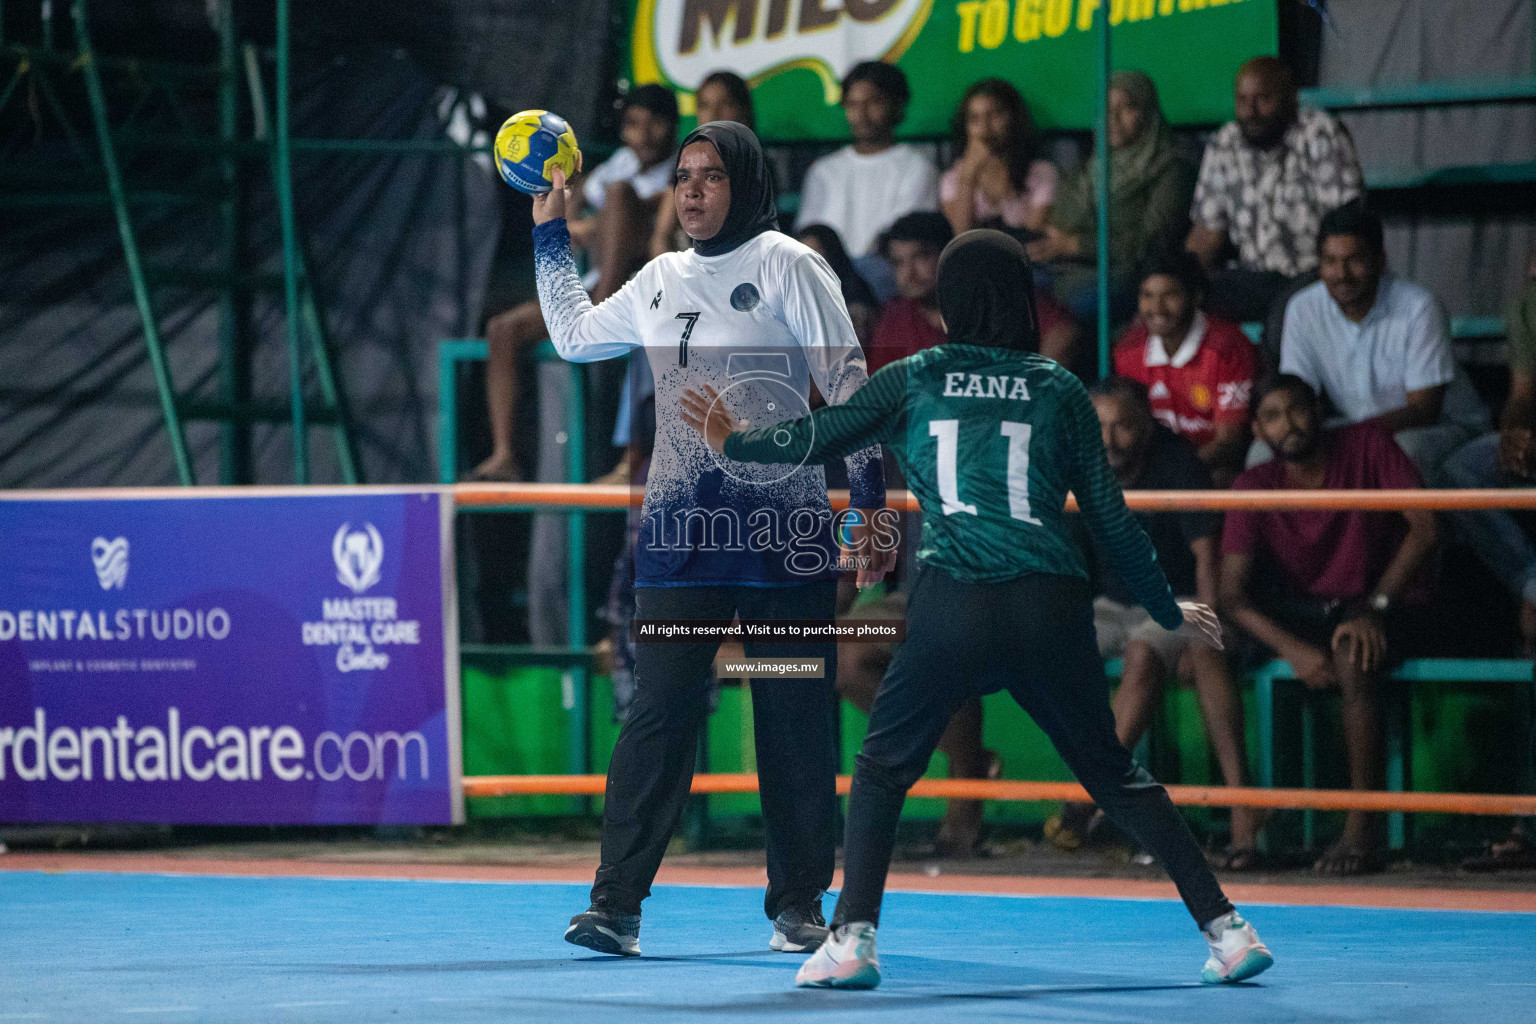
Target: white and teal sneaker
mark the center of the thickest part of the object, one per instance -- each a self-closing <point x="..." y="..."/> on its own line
<point x="847" y="959"/>
<point x="1236" y="952"/>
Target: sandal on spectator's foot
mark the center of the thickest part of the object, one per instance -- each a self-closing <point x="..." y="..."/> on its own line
<point x="1342" y="861"/>
<point x="1516" y="853"/>
<point x="1069" y="829"/>
<point x="1237" y="858"/>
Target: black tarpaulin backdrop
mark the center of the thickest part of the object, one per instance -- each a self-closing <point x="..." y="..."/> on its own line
<point x="399" y="245"/>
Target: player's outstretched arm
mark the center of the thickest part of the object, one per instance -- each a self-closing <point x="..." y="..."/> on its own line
<point x="829" y="432"/>
<point x="580" y="331"/>
<point x="814" y="311"/>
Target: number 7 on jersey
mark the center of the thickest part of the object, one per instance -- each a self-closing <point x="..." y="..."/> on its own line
<point x="948" y="434"/>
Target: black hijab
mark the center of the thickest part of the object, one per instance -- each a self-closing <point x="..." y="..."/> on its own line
<point x="754" y="207"/>
<point x="986" y="292"/>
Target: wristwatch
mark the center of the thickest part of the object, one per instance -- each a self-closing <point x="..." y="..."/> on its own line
<point x="1380" y="603"/>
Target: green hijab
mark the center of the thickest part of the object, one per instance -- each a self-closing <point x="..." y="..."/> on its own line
<point x="1134" y="165"/>
<point x="1142" y="206"/>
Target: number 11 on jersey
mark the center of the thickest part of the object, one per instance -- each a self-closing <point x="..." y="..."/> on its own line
<point x="948" y="434"/>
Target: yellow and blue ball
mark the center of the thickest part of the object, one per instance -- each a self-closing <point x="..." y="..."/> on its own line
<point x="530" y="145"/>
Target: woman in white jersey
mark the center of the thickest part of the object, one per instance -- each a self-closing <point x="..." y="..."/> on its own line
<point x="750" y="310"/>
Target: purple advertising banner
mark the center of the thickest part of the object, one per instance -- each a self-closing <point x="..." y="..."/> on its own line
<point x="277" y="658"/>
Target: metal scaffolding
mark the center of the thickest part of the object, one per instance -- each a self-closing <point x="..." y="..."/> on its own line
<point x="246" y="132"/>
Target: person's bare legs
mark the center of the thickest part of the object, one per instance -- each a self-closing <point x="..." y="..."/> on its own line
<point x="1222" y="708"/>
<point x="1141" y="686"/>
<point x="623" y="237"/>
<point x="859" y="670"/>
<point x="506" y="335"/>
<point x="1355" y="852"/>
<point x="961" y="743"/>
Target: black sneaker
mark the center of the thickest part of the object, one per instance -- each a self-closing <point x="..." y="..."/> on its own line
<point x="603" y="930"/>
<point x="799" y="929"/>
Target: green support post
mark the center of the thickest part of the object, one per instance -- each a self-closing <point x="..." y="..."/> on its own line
<point x="1101" y="155"/>
<point x="284" y="185"/>
<point x="314" y="325"/>
<point x="21" y="69"/>
<point x="234" y="438"/>
<point x="449" y="355"/>
<point x="330" y="391"/>
<point x="130" y="245"/>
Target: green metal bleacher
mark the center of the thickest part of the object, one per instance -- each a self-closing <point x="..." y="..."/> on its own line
<point x="1397" y="746"/>
<point x="1420" y="95"/>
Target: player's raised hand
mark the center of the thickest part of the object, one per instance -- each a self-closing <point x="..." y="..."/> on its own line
<point x="553" y="204"/>
<point x="708" y="415"/>
<point x="1200" y="623"/>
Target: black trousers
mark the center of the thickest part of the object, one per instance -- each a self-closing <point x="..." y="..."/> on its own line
<point x="796" y="741"/>
<point x="1034" y="637"/>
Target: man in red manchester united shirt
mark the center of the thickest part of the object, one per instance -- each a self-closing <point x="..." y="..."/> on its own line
<point x="1198" y="368"/>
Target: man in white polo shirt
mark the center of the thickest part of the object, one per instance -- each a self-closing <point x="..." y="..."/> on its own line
<point x="1377" y="346"/>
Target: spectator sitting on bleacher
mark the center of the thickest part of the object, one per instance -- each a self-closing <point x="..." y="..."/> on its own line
<point x="863" y="307"/>
<point x="1145" y="455"/>
<point x="625" y="191"/>
<point x="722" y="96"/>
<point x="910" y="322"/>
<point x="1198" y="368"/>
<point x="860" y="189"/>
<point x="1266" y="180"/>
<point x="1379" y="347"/>
<point x="1506" y="458"/>
<point x="997" y="180"/>
<point x="1150" y="185"/>
<point x="1331" y="592"/>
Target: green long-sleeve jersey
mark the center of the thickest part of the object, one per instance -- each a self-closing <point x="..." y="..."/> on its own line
<point x="990" y="441"/>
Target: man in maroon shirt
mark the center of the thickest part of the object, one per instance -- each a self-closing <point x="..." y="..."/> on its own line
<point x="911" y="322"/>
<point x="1330" y="592"/>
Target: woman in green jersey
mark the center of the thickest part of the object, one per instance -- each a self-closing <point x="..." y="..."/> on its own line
<point x="991" y="437"/>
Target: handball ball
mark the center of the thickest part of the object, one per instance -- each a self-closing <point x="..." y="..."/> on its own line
<point x="530" y="145"/>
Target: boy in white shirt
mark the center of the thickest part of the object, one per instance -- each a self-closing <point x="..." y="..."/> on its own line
<point x="862" y="188"/>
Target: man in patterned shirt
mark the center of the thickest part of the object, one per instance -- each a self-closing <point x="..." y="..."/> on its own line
<point x="1266" y="181"/>
<point x="990" y="437"/>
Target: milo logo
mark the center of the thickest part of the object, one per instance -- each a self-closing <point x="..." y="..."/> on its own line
<point x="682" y="41"/>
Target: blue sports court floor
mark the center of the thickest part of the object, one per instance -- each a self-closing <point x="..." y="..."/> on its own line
<point x="84" y="946"/>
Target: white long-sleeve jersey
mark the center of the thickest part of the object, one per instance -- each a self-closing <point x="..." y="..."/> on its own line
<point x="758" y="324"/>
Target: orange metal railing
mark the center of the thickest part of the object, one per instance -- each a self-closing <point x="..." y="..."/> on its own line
<point x="983" y="789"/>
<point x="595" y="496"/>
<point x="590" y="496"/>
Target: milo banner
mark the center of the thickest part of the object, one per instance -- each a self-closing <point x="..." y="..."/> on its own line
<point x="282" y="659"/>
<point x="795" y="52"/>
